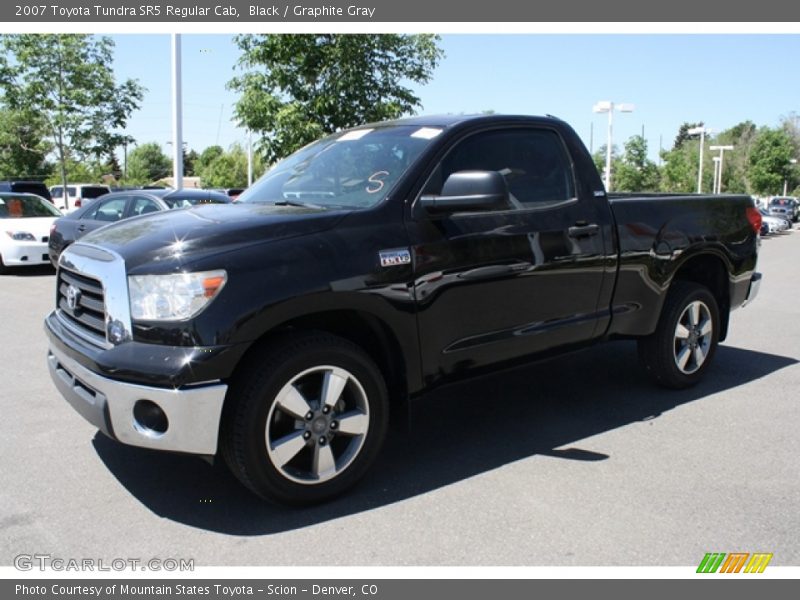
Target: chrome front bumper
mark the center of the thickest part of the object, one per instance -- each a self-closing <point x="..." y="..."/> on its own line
<point x="193" y="414"/>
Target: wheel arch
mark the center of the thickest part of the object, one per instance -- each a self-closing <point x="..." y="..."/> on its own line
<point x="364" y="329"/>
<point x="710" y="270"/>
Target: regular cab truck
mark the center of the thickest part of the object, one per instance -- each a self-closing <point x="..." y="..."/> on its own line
<point x="369" y="267"/>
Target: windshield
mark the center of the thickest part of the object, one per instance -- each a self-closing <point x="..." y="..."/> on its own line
<point x="354" y="169"/>
<point x="20" y="207"/>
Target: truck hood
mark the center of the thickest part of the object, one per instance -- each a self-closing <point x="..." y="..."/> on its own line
<point x="184" y="235"/>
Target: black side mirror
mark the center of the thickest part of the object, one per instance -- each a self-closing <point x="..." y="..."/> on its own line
<point x="469" y="191"/>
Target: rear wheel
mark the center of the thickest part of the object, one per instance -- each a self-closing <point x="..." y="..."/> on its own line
<point x="681" y="349"/>
<point x="306" y="419"/>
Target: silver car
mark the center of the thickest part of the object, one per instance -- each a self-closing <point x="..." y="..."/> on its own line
<point x="771" y="224"/>
<point x="785" y="207"/>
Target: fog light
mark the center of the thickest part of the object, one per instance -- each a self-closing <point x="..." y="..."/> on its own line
<point x="149" y="417"/>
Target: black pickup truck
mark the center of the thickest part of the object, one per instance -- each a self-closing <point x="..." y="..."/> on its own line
<point x="369" y="267"/>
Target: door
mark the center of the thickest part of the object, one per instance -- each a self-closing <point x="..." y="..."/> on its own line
<point x="500" y="285"/>
<point x="102" y="212"/>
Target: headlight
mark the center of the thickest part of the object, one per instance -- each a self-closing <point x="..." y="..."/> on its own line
<point x="173" y="297"/>
<point x="21" y="236"/>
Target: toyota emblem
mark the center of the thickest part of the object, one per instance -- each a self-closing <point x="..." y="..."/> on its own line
<point x="73" y="297"/>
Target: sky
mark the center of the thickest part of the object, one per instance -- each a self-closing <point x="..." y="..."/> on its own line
<point x="719" y="79"/>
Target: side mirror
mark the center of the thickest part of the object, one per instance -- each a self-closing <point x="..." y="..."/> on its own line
<point x="469" y="191"/>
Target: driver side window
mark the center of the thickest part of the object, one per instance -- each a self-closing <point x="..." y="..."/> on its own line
<point x="533" y="162"/>
<point x="108" y="210"/>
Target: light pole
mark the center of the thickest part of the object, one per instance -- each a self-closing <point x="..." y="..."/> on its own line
<point x="792" y="161"/>
<point x="177" y="114"/>
<point x="606" y="106"/>
<point x="702" y="131"/>
<point x="716" y="170"/>
<point x="718" y="178"/>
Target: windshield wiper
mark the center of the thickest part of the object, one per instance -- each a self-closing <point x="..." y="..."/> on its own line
<point x="297" y="203"/>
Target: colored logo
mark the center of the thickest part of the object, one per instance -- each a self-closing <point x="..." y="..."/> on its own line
<point x="735" y="562"/>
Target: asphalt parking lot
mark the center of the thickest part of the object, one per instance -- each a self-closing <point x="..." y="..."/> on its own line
<point x="577" y="461"/>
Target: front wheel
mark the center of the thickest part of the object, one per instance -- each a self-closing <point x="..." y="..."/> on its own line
<point x="683" y="345"/>
<point x="306" y="420"/>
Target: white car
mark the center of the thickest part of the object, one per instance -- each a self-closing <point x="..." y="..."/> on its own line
<point x="78" y="194"/>
<point x="25" y="222"/>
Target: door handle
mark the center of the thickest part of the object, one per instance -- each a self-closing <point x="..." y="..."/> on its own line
<point x="579" y="231"/>
<point x="81" y="227"/>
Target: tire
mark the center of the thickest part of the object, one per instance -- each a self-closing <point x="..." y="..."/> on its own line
<point x="681" y="349"/>
<point x="288" y="443"/>
<point x="3" y="268"/>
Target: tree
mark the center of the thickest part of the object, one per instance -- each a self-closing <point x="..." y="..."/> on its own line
<point x="229" y="169"/>
<point x="736" y="171"/>
<point x="635" y="172"/>
<point x="147" y="163"/>
<point x="79" y="172"/>
<point x="189" y="162"/>
<point x="68" y="81"/>
<point x="23" y="151"/>
<point x="599" y="159"/>
<point x="679" y="171"/>
<point x="298" y="87"/>
<point x="684" y="135"/>
<point x="206" y="157"/>
<point x="770" y="160"/>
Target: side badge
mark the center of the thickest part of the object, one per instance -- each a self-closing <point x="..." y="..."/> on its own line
<point x="394" y="258"/>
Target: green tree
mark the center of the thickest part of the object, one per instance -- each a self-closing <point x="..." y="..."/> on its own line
<point x="147" y="163"/>
<point x="736" y="167"/>
<point x="770" y="160"/>
<point x="206" y="157"/>
<point x="297" y="87"/>
<point x="189" y="162"/>
<point x="635" y="172"/>
<point x="68" y="81"/>
<point x="679" y="171"/>
<point x="684" y="135"/>
<point x="229" y="169"/>
<point x="599" y="159"/>
<point x="84" y="171"/>
<point x="23" y="151"/>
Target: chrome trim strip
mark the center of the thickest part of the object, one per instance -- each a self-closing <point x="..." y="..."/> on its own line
<point x="193" y="414"/>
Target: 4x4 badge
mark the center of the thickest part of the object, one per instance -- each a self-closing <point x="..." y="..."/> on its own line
<point x="393" y="258"/>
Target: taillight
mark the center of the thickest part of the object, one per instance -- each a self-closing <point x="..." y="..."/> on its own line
<point x="754" y="217"/>
<point x="77" y="202"/>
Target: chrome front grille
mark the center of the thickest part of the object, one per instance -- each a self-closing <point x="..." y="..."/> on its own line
<point x="92" y="295"/>
<point x="81" y="305"/>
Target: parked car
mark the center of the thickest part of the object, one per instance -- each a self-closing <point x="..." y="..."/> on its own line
<point x="785" y="207"/>
<point x="78" y="194"/>
<point x="25" y="221"/>
<point x="772" y="224"/>
<point x="233" y="193"/>
<point x="26" y="187"/>
<point x="117" y="206"/>
<point x="371" y="266"/>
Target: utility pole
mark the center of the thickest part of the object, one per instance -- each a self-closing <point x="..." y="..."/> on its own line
<point x="177" y="114"/>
